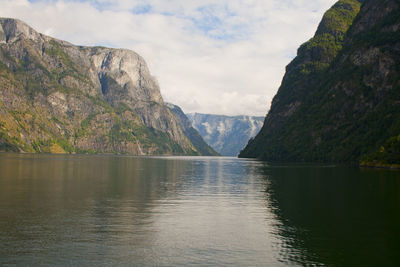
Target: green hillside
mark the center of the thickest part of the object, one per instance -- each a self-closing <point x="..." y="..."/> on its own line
<point x="340" y="98"/>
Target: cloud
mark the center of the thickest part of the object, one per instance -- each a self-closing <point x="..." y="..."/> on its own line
<point x="221" y="57"/>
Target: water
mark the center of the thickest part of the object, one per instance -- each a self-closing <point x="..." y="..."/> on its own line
<point x="182" y="211"/>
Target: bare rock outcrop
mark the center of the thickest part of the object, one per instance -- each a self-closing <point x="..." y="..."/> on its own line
<point x="83" y="99"/>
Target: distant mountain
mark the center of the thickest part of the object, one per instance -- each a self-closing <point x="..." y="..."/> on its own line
<point x="61" y="98"/>
<point x="227" y="135"/>
<point x="340" y="98"/>
<point x="194" y="136"/>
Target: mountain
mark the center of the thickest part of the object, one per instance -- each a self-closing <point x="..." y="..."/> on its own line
<point x="194" y="136"/>
<point x="227" y="135"/>
<point x="339" y="100"/>
<point x="58" y="97"/>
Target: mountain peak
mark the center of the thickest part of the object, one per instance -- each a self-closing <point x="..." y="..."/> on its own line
<point x="339" y="100"/>
<point x="339" y="18"/>
<point x="11" y="29"/>
<point x="83" y="99"/>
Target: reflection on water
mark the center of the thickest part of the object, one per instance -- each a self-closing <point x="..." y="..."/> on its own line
<point x="180" y="211"/>
<point x="94" y="210"/>
<point x="336" y="216"/>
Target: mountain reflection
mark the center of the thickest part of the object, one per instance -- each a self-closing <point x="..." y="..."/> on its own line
<point x="334" y="216"/>
<point x="97" y="203"/>
<point x="183" y="211"/>
<point x="115" y="210"/>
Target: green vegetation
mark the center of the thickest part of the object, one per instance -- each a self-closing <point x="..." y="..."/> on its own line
<point x="69" y="68"/>
<point x="316" y="55"/>
<point x="100" y="102"/>
<point x="120" y="133"/>
<point x="339" y="18"/>
<point x="149" y="137"/>
<point x="39" y="76"/>
<point x="82" y="117"/>
<point x="8" y="144"/>
<point x="65" y="145"/>
<point x="387" y="156"/>
<point x="84" y="129"/>
<point x="198" y="142"/>
<point x="345" y="109"/>
<point x="52" y="146"/>
<point x="122" y="107"/>
<point x="42" y="145"/>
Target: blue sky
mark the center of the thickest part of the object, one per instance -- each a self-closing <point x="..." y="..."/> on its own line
<point x="222" y="57"/>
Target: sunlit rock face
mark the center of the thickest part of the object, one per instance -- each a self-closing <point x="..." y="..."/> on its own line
<point x="80" y="99"/>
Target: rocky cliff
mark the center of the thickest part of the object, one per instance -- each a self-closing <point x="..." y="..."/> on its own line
<point x="58" y="97"/>
<point x="192" y="134"/>
<point x="340" y="98"/>
<point x="226" y="134"/>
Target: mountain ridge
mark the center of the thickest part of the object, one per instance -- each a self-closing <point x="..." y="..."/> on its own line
<point x="226" y="134"/>
<point x="56" y="96"/>
<point x="349" y="108"/>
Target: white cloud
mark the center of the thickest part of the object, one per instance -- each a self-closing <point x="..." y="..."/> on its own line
<point x="222" y="57"/>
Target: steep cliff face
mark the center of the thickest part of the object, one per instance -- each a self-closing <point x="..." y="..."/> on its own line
<point x="347" y="106"/>
<point x="226" y="134"/>
<point x="58" y="97"/>
<point x="193" y="135"/>
<point x="313" y="59"/>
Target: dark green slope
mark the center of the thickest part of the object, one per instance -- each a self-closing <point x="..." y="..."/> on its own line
<point x="339" y="100"/>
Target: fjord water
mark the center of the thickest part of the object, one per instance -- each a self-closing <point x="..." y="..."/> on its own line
<point x="181" y="211"/>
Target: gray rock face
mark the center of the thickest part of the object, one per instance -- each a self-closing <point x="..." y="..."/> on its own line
<point x="108" y="92"/>
<point x="13" y="29"/>
<point x="227" y="135"/>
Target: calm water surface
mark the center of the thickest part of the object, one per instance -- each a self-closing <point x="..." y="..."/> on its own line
<point x="183" y="211"/>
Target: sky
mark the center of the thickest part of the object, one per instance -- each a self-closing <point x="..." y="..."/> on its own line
<point x="221" y="57"/>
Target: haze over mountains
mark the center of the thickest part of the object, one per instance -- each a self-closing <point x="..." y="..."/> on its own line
<point x="340" y="98"/>
<point x="193" y="135"/>
<point x="226" y="134"/>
